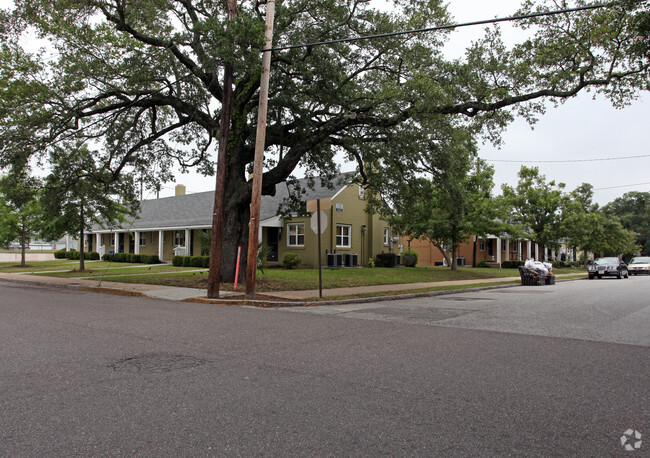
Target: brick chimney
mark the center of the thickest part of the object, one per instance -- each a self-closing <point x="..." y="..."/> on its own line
<point x="179" y="190"/>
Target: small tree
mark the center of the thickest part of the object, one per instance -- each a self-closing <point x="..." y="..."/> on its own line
<point x="78" y="194"/>
<point x="22" y="218"/>
<point x="437" y="189"/>
<point x="633" y="210"/>
<point x="537" y="207"/>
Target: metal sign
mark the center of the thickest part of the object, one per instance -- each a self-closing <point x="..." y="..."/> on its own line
<point x="323" y="222"/>
<point x="325" y="204"/>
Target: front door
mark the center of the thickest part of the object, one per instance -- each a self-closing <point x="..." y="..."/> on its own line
<point x="120" y="247"/>
<point x="273" y="240"/>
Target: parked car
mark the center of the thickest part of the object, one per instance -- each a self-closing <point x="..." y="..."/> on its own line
<point x="609" y="266"/>
<point x="639" y="265"/>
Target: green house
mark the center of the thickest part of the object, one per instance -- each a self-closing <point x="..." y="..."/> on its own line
<point x="173" y="225"/>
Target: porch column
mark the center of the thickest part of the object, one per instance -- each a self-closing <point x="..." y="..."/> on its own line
<point x="160" y="244"/>
<point x="136" y="242"/>
<point x="187" y="243"/>
<point x="116" y="242"/>
<point x="553" y="255"/>
<point x="499" y="251"/>
<point x="99" y="241"/>
<point x="507" y="250"/>
<point x="536" y="252"/>
<point x="67" y="242"/>
<point x="528" y="249"/>
<point x="519" y="249"/>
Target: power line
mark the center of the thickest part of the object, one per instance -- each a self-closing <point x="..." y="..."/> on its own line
<point x="621" y="186"/>
<point x="569" y="160"/>
<point x="441" y="27"/>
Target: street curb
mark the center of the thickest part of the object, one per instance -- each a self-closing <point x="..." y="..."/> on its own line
<point x="361" y="300"/>
<point x="265" y="303"/>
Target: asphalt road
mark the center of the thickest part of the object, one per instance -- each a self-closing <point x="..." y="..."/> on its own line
<point x="554" y="371"/>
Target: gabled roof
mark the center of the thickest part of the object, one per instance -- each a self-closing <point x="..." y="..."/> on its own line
<point x="195" y="210"/>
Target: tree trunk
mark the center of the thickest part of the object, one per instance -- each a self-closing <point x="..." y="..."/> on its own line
<point x="454" y="259"/>
<point x="474" y="252"/>
<point x="82" y="265"/>
<point x="23" y="241"/>
<point x="235" y="230"/>
<point x="444" y="253"/>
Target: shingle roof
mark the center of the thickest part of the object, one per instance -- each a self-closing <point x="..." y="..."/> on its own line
<point x="195" y="210"/>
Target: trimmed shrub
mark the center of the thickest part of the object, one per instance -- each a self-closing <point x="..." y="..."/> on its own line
<point x="151" y="259"/>
<point x="409" y="258"/>
<point x="483" y="264"/>
<point x="107" y="257"/>
<point x="196" y="261"/>
<point x="511" y="264"/>
<point x="206" y="261"/>
<point x="93" y="256"/>
<point x="290" y="260"/>
<point x="385" y="260"/>
<point x="137" y="258"/>
<point x="60" y="254"/>
<point x="177" y="261"/>
<point x="187" y="261"/>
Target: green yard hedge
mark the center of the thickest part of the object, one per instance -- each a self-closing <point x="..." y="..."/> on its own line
<point x="130" y="257"/>
<point x="191" y="261"/>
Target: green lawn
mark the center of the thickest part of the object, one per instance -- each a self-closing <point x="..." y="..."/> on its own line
<point x="301" y="279"/>
<point x="267" y="281"/>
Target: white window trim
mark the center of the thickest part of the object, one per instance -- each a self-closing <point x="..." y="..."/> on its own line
<point x="143" y="239"/>
<point x="292" y="231"/>
<point x="342" y="237"/>
<point x="481" y="245"/>
<point x="178" y="237"/>
<point x="386" y="236"/>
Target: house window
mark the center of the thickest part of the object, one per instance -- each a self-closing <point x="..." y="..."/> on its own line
<point x="386" y="235"/>
<point x="179" y="238"/>
<point x="362" y="192"/>
<point x="296" y="234"/>
<point x="343" y="238"/>
<point x="503" y="246"/>
<point x="143" y="238"/>
<point x="514" y="247"/>
<point x="481" y="245"/>
<point x="153" y="237"/>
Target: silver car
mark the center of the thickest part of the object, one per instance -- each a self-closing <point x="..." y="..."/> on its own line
<point x="609" y="266"/>
<point x="639" y="265"/>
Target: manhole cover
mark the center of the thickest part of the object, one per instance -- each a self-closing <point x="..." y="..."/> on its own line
<point x="156" y="363"/>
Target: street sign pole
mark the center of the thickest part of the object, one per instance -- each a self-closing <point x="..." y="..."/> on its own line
<point x="320" y="264"/>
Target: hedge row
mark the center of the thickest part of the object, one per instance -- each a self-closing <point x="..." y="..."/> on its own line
<point x="511" y="264"/>
<point x="385" y="260"/>
<point x="191" y="261"/>
<point x="129" y="257"/>
<point x="74" y="255"/>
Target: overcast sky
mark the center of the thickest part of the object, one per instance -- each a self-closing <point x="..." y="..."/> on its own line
<point x="583" y="140"/>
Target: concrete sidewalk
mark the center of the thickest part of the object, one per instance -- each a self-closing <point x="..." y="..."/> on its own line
<point x="274" y="298"/>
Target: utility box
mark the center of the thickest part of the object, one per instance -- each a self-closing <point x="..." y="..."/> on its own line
<point x="334" y="260"/>
<point x="351" y="260"/>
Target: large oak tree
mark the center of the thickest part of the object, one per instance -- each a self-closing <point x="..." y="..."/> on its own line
<point x="144" y="80"/>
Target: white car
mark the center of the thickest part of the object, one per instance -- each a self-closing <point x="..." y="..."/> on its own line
<point x="639" y="265"/>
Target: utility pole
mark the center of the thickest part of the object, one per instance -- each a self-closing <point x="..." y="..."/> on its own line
<point x="216" y="241"/>
<point x="256" y="196"/>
